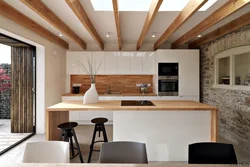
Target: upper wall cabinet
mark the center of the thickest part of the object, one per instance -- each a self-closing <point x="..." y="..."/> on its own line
<point x="72" y="63"/>
<point x="111" y="62"/>
<point x="98" y="62"/>
<point x="84" y="58"/>
<point x="124" y="63"/>
<point x="136" y="63"/>
<point x="166" y="56"/>
<point x="148" y="63"/>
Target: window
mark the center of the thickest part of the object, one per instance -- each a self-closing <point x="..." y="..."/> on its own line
<point x="224" y="71"/>
<point x="242" y="69"/>
<point x="232" y="69"/>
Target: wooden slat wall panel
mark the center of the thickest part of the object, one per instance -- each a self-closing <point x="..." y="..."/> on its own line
<point x="118" y="83"/>
<point x="21" y="86"/>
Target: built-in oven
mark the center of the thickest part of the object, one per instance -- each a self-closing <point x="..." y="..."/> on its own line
<point x="168" y="86"/>
<point x="168" y="69"/>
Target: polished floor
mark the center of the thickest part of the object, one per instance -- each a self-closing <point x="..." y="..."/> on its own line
<point x="6" y="137"/>
<point x="84" y="134"/>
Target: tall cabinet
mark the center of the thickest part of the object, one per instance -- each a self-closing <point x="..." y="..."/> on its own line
<point x="189" y="71"/>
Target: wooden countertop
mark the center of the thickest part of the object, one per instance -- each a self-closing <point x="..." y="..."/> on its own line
<point x="121" y="94"/>
<point x="109" y="165"/>
<point x="116" y="105"/>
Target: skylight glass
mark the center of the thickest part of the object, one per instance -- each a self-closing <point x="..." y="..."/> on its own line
<point x="143" y="5"/>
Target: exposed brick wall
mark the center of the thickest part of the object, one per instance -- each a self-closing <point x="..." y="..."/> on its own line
<point x="234" y="114"/>
<point x="5" y="96"/>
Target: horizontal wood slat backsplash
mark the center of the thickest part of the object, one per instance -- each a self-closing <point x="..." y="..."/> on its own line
<point x="118" y="83"/>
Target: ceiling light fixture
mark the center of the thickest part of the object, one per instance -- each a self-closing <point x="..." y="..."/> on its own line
<point x="199" y="36"/>
<point x="107" y="34"/>
<point x="60" y="35"/>
<point x="153" y="35"/>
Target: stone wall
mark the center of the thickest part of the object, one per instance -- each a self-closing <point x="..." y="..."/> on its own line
<point x="234" y="115"/>
<point x="5" y="96"/>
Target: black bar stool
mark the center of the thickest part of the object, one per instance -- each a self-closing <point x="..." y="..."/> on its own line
<point x="68" y="132"/>
<point x="99" y="126"/>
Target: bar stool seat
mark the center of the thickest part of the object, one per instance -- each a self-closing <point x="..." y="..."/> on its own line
<point x="99" y="120"/>
<point x="99" y="127"/>
<point x="68" y="132"/>
<point x="68" y="125"/>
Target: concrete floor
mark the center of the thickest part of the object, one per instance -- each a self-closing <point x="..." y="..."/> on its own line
<point x="84" y="135"/>
<point x="6" y="137"/>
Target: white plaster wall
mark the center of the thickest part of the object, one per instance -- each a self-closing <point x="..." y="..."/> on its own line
<point x="54" y="72"/>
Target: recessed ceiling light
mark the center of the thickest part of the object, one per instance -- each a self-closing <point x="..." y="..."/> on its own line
<point x="153" y="35"/>
<point x="60" y="35"/>
<point x="107" y="34"/>
<point x="199" y="36"/>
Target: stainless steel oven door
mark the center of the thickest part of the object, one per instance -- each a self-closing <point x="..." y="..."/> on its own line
<point x="168" y="87"/>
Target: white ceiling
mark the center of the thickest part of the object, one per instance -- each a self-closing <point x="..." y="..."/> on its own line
<point x="131" y="22"/>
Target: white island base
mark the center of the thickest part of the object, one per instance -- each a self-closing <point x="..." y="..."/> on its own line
<point x="166" y="134"/>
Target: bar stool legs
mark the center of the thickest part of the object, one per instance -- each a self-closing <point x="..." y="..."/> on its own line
<point x="68" y="133"/>
<point x="99" y="126"/>
<point x="77" y="145"/>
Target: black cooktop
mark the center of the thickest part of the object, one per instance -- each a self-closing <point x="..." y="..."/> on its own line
<point x="136" y="103"/>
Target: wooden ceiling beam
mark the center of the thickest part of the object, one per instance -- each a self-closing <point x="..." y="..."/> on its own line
<point x="153" y="10"/>
<point x="185" y="14"/>
<point x="226" y="29"/>
<point x="117" y="23"/>
<point x="42" y="10"/>
<point x="11" y="13"/>
<point x="77" y="8"/>
<point x="227" y="9"/>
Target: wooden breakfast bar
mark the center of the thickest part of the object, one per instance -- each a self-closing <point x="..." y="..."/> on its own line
<point x="167" y="128"/>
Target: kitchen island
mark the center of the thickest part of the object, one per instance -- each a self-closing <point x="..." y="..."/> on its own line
<point x="167" y="128"/>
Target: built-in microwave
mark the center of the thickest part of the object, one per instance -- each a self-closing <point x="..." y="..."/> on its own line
<point x="168" y="69"/>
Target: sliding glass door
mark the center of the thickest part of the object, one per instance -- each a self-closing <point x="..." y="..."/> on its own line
<point x="17" y="92"/>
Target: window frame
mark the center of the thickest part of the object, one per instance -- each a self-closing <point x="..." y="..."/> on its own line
<point x="231" y="53"/>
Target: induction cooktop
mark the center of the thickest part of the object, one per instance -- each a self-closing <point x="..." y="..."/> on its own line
<point x="136" y="103"/>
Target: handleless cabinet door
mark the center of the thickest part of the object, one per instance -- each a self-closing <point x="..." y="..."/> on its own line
<point x="189" y="73"/>
<point x="169" y="56"/>
<point x="72" y="66"/>
<point x="148" y="63"/>
<point x="111" y="61"/>
<point x="98" y="61"/>
<point x="84" y="57"/>
<point x="124" y="63"/>
<point x="136" y="63"/>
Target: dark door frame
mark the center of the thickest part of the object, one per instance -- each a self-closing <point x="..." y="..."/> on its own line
<point x="34" y="94"/>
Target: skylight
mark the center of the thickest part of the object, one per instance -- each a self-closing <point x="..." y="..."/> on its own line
<point x="143" y="5"/>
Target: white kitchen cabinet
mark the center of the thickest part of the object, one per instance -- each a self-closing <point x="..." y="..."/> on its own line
<point x="136" y="63"/>
<point x="148" y="63"/>
<point x="149" y="97"/>
<point x="189" y="73"/>
<point x="98" y="59"/>
<point x="111" y="61"/>
<point x="72" y="62"/>
<point x="72" y="66"/>
<point x="166" y="55"/>
<point x="74" y="115"/>
<point x="124" y="63"/>
<point x="130" y="98"/>
<point x="83" y="58"/>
